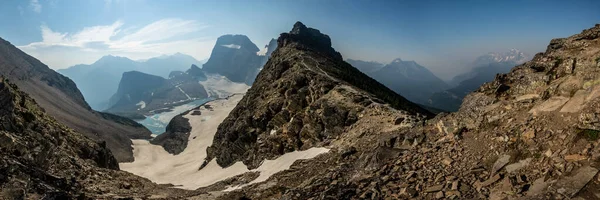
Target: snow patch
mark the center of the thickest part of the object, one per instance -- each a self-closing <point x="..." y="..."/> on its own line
<point x="220" y="86"/>
<point x="186" y="95"/>
<point x="263" y="52"/>
<point x="141" y="104"/>
<point x="232" y="46"/>
<point x="153" y="162"/>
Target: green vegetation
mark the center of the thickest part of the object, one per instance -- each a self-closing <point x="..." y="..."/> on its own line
<point x="598" y="61"/>
<point x="589" y="134"/>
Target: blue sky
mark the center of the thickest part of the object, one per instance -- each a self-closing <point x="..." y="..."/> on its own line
<point x="444" y="36"/>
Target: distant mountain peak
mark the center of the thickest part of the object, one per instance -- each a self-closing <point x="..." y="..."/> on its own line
<point x="110" y="58"/>
<point x="513" y="55"/>
<point x="303" y="37"/>
<point x="268" y="49"/>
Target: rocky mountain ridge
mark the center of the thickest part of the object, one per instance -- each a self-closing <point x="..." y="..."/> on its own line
<point x="305" y="96"/>
<point x="529" y="134"/>
<point x="61" y="99"/>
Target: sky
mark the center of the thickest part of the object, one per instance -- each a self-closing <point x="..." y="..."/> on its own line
<point x="443" y="36"/>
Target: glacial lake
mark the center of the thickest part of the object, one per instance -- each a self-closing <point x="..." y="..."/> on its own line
<point x="157" y="123"/>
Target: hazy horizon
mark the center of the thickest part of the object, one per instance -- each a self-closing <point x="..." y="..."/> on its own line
<point x="444" y="36"/>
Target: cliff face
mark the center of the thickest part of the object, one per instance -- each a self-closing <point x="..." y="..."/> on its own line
<point x="305" y="96"/>
<point x="529" y="134"/>
<point x="235" y="57"/>
<point x="61" y="99"/>
<point x="43" y="159"/>
<point x="140" y="94"/>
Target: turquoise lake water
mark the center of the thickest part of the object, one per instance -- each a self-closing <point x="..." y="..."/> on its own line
<point x="157" y="123"/>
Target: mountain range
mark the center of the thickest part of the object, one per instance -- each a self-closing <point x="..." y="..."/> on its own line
<point x="60" y="98"/>
<point x="407" y="78"/>
<point x="312" y="126"/>
<point x="140" y="94"/>
<point x="234" y="57"/>
<point x="100" y="80"/>
<point x="485" y="68"/>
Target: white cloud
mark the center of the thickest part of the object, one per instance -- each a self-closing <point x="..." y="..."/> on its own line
<point x="167" y="36"/>
<point x="35" y="6"/>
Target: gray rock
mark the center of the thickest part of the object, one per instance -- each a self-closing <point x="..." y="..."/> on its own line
<point x="516" y="166"/>
<point x="500" y="163"/>
<point x="569" y="186"/>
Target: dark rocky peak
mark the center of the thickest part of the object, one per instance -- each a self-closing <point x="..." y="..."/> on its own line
<point x="133" y="80"/>
<point x="194" y="68"/>
<point x="196" y="72"/>
<point x="271" y="47"/>
<point x="303" y="37"/>
<point x="235" y="57"/>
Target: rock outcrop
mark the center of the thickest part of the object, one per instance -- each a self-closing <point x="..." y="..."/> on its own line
<point x="529" y="134"/>
<point x="61" y="99"/>
<point x="174" y="140"/>
<point x="305" y="96"/>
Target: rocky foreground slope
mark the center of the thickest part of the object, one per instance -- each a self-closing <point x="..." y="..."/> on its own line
<point x="61" y="99"/>
<point x="43" y="159"/>
<point x="530" y="134"/>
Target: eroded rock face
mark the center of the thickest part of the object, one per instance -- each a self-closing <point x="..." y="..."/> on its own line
<point x="306" y="96"/>
<point x="529" y="134"/>
<point x="174" y="140"/>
